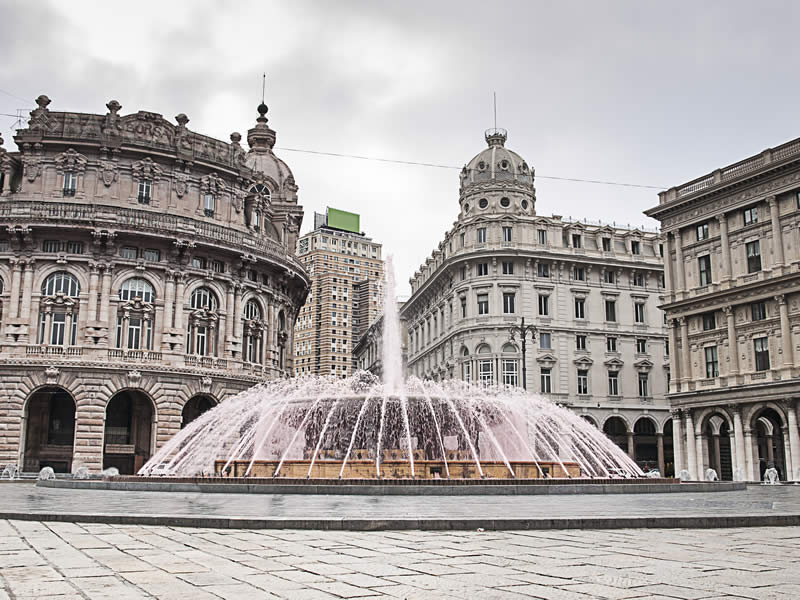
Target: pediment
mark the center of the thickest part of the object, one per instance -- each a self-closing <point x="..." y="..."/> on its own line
<point x="643" y="364"/>
<point x="614" y="364"/>
<point x="546" y="359"/>
<point x="583" y="361"/>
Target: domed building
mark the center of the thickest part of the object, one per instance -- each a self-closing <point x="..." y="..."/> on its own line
<point x="591" y="290"/>
<point x="147" y="272"/>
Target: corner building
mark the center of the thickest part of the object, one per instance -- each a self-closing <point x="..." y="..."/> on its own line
<point x="147" y="273"/>
<point x="732" y="264"/>
<point x="592" y="291"/>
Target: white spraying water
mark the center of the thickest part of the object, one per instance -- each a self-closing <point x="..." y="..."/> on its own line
<point x="363" y="419"/>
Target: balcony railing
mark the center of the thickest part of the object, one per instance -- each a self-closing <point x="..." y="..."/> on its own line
<point x="134" y="355"/>
<point x="55" y="350"/>
<point x="117" y="436"/>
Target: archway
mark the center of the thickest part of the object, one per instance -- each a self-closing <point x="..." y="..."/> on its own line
<point x="49" y="430"/>
<point x="769" y="442"/>
<point x="194" y="407"/>
<point x="617" y="431"/>
<point x="718" y="436"/>
<point x="590" y="419"/>
<point x="645" y="444"/>
<point x="128" y="431"/>
<point x="669" y="450"/>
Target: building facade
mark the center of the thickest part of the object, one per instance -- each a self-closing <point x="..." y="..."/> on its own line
<point x="592" y="291"/>
<point x="368" y="352"/>
<point x="346" y="271"/>
<point x="732" y="264"/>
<point x="147" y="272"/>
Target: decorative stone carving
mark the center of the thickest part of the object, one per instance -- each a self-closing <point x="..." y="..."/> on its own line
<point x="70" y="160"/>
<point x="111" y="124"/>
<point x="146" y="169"/>
<point x="109" y="172"/>
<point x="32" y="167"/>
<point x="212" y="184"/>
<point x="134" y="376"/>
<point x="51" y="375"/>
<point x="40" y="120"/>
<point x="205" y="383"/>
<point x="181" y="184"/>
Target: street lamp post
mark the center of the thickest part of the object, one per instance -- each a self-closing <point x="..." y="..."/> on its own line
<point x="523" y="330"/>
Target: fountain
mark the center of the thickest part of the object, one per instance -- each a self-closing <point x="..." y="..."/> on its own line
<point x="362" y="428"/>
<point x="711" y="475"/>
<point x="11" y="471"/>
<point x="771" y="476"/>
<point x="46" y="474"/>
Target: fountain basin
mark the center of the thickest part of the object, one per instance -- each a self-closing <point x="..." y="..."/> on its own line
<point x="398" y="469"/>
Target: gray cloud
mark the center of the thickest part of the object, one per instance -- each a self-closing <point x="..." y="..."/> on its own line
<point x="646" y="92"/>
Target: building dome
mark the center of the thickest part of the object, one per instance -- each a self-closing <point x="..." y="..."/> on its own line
<point x="261" y="159"/>
<point x="496" y="163"/>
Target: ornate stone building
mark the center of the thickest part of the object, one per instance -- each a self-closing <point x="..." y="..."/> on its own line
<point x="592" y="291"/>
<point x="732" y="264"/>
<point x="147" y="272"/>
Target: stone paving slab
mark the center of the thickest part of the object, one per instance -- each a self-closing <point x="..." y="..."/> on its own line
<point x="51" y="561"/>
<point x="756" y="506"/>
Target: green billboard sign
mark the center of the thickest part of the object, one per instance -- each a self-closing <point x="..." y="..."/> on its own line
<point x="346" y="221"/>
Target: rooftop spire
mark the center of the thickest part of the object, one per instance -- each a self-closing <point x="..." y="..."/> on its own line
<point x="261" y="137"/>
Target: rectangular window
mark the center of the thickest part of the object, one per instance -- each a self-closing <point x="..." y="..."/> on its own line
<point x="481" y="235"/>
<point x="461" y="240"/>
<point x="636" y="247"/>
<point x="609" y="276"/>
<point x="704" y="269"/>
<point x="198" y="262"/>
<point x="483" y="304"/>
<point x="486" y="371"/>
<point x="580" y="342"/>
<point x="541" y="236"/>
<point x="544" y="305"/>
<point x="580" y="308"/>
<point x="638" y="312"/>
<point x="463" y="273"/>
<point x="638" y="279"/>
<point x="463" y="309"/>
<point x="613" y="383"/>
<point x="576" y="240"/>
<point x="712" y="362"/>
<point x="510" y="376"/>
<point x="508" y="303"/>
<point x="579" y="274"/>
<point x="606" y="244"/>
<point x="128" y="252"/>
<point x="483" y="269"/>
<point x="545" y="341"/>
<point x="702" y="232"/>
<point x="546" y="381"/>
<point x="218" y="266"/>
<point x="208" y="205"/>
<point x="506" y="234"/>
<point x="542" y="270"/>
<point x="151" y="255"/>
<point x="758" y="310"/>
<point x="583" y="382"/>
<point x="467" y="370"/>
<point x="644" y="385"/>
<point x="761" y="346"/>
<point x="753" y="256"/>
<point x="611" y="310"/>
<point x="641" y="346"/>
<point x="751" y="215"/>
<point x="709" y="321"/>
<point x="611" y="344"/>
<point x="145" y="189"/>
<point x="70" y="183"/>
<point x="508" y="268"/>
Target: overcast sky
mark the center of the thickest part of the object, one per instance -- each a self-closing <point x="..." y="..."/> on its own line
<point x="639" y="92"/>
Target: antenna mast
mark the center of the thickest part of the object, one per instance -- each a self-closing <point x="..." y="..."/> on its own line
<point x="495" y="109"/>
<point x="263" y="86"/>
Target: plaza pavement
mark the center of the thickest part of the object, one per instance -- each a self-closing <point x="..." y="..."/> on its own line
<point x="65" y="561"/>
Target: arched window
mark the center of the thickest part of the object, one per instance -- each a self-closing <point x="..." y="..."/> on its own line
<point x="58" y="312"/>
<point x="466" y="365"/>
<point x="61" y="283"/>
<point x="260" y="189"/>
<point x="203" y="297"/>
<point x="254" y="329"/>
<point x="135" y="315"/>
<point x="202" y="326"/>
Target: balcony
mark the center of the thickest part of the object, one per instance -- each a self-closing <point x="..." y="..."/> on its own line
<point x="54" y="350"/>
<point x="134" y="355"/>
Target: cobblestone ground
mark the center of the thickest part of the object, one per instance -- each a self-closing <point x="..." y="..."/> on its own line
<point x="65" y="561"/>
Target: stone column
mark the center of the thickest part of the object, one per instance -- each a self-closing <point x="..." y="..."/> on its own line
<point x="126" y="321"/>
<point x="733" y="346"/>
<point x="686" y="356"/>
<point x="777" y="235"/>
<point x="229" y="309"/>
<point x="680" y="284"/>
<point x="727" y="271"/>
<point x="691" y="445"/>
<point x="192" y="348"/>
<point x="677" y="441"/>
<point x="16" y="276"/>
<point x="794" y="437"/>
<point x="788" y="462"/>
<point x="105" y="296"/>
<point x="751" y="471"/>
<point x="27" y="290"/>
<point x="263" y="349"/>
<point x="660" y="443"/>
<point x="717" y="454"/>
<point x="739" y="441"/>
<point x="169" y="301"/>
<point x="699" y="455"/>
<point x="734" y="464"/>
<point x="48" y="328"/>
<point x="94" y="284"/>
<point x="179" y="300"/>
<point x="631" y="446"/>
<point x="237" y="312"/>
<point x="68" y="328"/>
<point x="674" y="362"/>
<point x="668" y="284"/>
<point x="786" y="332"/>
